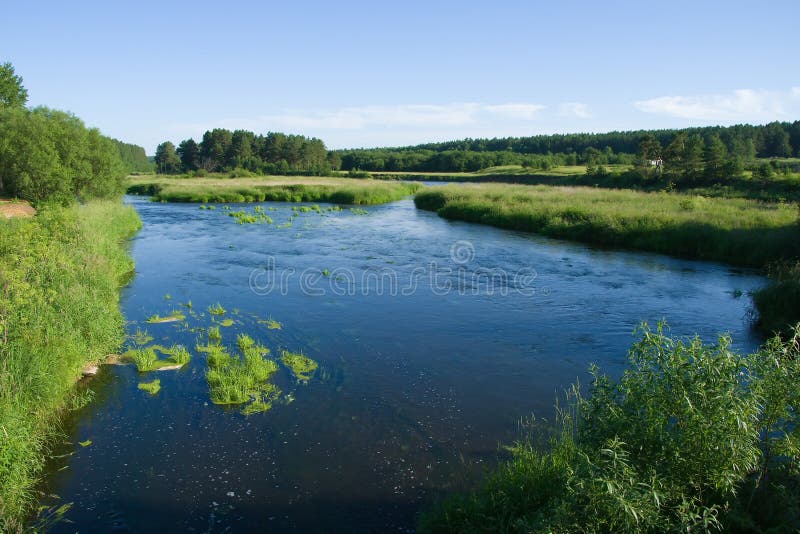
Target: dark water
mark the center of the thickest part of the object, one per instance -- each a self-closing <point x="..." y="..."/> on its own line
<point x="419" y="382"/>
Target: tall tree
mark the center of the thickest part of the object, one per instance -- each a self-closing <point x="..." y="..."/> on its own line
<point x="167" y="160"/>
<point x="189" y="152"/>
<point x="715" y="158"/>
<point x="12" y="93"/>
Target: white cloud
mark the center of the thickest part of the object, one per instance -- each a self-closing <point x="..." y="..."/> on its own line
<point x="574" y="109"/>
<point x="740" y="105"/>
<point x="515" y="110"/>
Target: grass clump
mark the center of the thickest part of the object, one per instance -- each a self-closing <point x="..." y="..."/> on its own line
<point x="141" y="337"/>
<point x="301" y="366"/>
<point x="692" y="437"/>
<point x="171" y="318"/>
<point x="214" y="336"/>
<point x="60" y="274"/>
<point x="226" y="322"/>
<point x="271" y="324"/>
<point x="152" y="387"/>
<point x="146" y="359"/>
<point x="244" y="379"/>
<point x="216" y="309"/>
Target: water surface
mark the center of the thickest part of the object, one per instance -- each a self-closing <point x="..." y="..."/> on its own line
<point x="416" y="390"/>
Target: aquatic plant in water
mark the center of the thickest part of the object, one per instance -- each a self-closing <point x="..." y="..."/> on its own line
<point x="152" y="387"/>
<point x="271" y="324"/>
<point x="301" y="366"/>
<point x="240" y="380"/>
<point x="171" y="318"/>
<point x="216" y="309"/>
<point x="141" y="337"/>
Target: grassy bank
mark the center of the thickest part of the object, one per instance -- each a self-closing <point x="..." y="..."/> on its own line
<point x="737" y="231"/>
<point x="272" y="188"/>
<point x="692" y="438"/>
<point x="60" y="274"/>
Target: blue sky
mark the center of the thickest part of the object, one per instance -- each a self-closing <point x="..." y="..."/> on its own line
<point x="394" y="73"/>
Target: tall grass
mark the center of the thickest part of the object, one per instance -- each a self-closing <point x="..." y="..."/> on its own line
<point x="338" y="191"/>
<point x="737" y="231"/>
<point x="60" y="273"/>
<point x="691" y="438"/>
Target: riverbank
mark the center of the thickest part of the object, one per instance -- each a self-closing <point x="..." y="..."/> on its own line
<point x="270" y="188"/>
<point x="60" y="272"/>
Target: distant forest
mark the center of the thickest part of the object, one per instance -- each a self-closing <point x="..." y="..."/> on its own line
<point x="223" y="150"/>
<point x="743" y="142"/>
<point x="133" y="157"/>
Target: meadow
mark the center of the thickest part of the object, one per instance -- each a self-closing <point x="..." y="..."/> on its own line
<point x="737" y="231"/>
<point x="270" y="188"/>
<point x="60" y="272"/>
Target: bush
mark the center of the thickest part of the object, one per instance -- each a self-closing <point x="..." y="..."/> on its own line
<point x="692" y="437"/>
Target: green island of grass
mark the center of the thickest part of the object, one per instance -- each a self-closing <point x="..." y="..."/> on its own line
<point x="301" y="366"/>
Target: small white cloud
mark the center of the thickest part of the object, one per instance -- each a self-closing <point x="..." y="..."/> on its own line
<point x="740" y="105"/>
<point x="515" y="110"/>
<point x="574" y="109"/>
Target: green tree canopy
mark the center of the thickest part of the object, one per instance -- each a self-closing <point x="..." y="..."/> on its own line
<point x="12" y="93"/>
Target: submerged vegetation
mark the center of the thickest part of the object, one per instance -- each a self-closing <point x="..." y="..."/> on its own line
<point x="301" y="366"/>
<point x="692" y="437"/>
<point x="174" y="316"/>
<point x="145" y="359"/>
<point x="60" y="273"/>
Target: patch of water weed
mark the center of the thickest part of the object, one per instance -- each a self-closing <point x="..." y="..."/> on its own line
<point x="174" y="316"/>
<point x="216" y="309"/>
<point x="141" y="337"/>
<point x="152" y="387"/>
<point x="234" y="380"/>
<point x="145" y="359"/>
<point x="358" y="211"/>
<point x="271" y="324"/>
<point x="214" y="336"/>
<point x="187" y="304"/>
<point x="301" y="366"/>
<point x="167" y="296"/>
<point x="85" y="443"/>
<point x="226" y="322"/>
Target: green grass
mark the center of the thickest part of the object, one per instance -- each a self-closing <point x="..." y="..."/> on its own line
<point x="691" y="438"/>
<point x="242" y="380"/>
<point x="737" y="231"/>
<point x="301" y="366"/>
<point x="145" y="359"/>
<point x="778" y="303"/>
<point x="60" y="273"/>
<point x="275" y="189"/>
<point x="152" y="387"/>
<point x="216" y="309"/>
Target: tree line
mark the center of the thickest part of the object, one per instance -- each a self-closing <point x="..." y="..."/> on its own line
<point x="49" y="155"/>
<point x="133" y="157"/>
<point x="742" y="142"/>
<point x="222" y="150"/>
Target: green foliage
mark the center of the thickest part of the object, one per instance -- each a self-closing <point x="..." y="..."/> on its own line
<point x="48" y="155"/>
<point x="134" y="158"/>
<point x="166" y="159"/>
<point x="60" y="273"/>
<point x="216" y="309"/>
<point x="692" y="437"/>
<point x="742" y="232"/>
<point x="12" y="93"/>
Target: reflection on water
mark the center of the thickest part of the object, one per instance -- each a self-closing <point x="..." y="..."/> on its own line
<point x="414" y="392"/>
